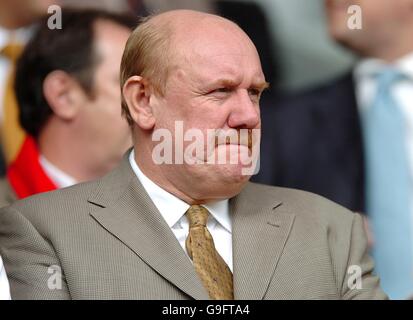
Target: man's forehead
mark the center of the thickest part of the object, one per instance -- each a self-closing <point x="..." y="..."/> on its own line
<point x="206" y="44"/>
<point x="215" y="46"/>
<point x="211" y="32"/>
<point x="213" y="63"/>
<point x="213" y="72"/>
<point x="191" y="28"/>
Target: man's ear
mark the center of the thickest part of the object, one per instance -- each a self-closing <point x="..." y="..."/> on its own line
<point x="63" y="94"/>
<point x="137" y="94"/>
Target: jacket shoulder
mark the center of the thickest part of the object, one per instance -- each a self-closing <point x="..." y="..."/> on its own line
<point x="305" y="205"/>
<point x="75" y="200"/>
<point x="54" y="203"/>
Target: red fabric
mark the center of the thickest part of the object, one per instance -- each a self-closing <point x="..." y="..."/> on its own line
<point x="26" y="176"/>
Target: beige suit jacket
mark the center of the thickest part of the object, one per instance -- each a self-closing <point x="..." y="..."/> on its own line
<point x="110" y="242"/>
<point x="7" y="195"/>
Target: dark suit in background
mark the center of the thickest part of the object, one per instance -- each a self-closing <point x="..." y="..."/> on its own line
<point x="312" y="141"/>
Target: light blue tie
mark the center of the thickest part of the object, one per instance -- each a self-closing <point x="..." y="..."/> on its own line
<point x="389" y="190"/>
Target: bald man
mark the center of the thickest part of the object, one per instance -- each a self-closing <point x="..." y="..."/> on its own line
<point x="178" y="218"/>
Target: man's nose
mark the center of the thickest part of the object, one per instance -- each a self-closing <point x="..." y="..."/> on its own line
<point x="245" y="112"/>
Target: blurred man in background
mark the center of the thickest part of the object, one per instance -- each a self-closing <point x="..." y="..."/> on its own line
<point x="383" y="86"/>
<point x="16" y="20"/>
<point x="352" y="140"/>
<point x="67" y="87"/>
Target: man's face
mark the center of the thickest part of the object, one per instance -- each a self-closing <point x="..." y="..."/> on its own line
<point x="382" y="20"/>
<point x="105" y="132"/>
<point x="216" y="84"/>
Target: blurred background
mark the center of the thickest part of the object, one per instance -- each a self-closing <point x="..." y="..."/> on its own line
<point x="302" y="52"/>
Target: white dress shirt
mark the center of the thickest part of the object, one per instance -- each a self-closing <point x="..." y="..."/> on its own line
<point x="402" y="92"/>
<point x="173" y="211"/>
<point x="4" y="284"/>
<point x="59" y="178"/>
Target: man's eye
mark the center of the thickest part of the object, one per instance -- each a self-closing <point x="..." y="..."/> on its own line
<point x="222" y="90"/>
<point x="254" y="92"/>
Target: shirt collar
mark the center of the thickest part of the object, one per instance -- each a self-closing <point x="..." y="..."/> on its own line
<point x="171" y="207"/>
<point x="370" y="66"/>
<point x="220" y="211"/>
<point x="406" y="65"/>
<point x="60" y="178"/>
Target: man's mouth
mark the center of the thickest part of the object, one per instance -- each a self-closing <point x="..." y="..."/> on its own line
<point x="236" y="140"/>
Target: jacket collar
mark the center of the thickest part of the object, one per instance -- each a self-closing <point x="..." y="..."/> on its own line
<point x="260" y="230"/>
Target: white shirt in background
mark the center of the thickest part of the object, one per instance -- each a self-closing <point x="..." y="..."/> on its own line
<point x="4" y="284"/>
<point x="59" y="178"/>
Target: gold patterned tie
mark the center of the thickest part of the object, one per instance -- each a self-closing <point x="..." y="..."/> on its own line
<point x="12" y="135"/>
<point x="211" y="268"/>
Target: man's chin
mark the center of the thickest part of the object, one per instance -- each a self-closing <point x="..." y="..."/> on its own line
<point x="233" y="174"/>
<point x="228" y="189"/>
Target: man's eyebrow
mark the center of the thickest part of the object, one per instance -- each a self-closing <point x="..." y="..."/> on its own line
<point x="261" y="86"/>
<point x="231" y="83"/>
<point x="226" y="82"/>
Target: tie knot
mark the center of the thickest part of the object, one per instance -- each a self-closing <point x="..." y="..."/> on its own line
<point x="197" y="216"/>
<point x="12" y="51"/>
<point x="388" y="77"/>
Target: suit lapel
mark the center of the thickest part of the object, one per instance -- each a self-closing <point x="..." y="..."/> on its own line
<point x="260" y="232"/>
<point x="134" y="220"/>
